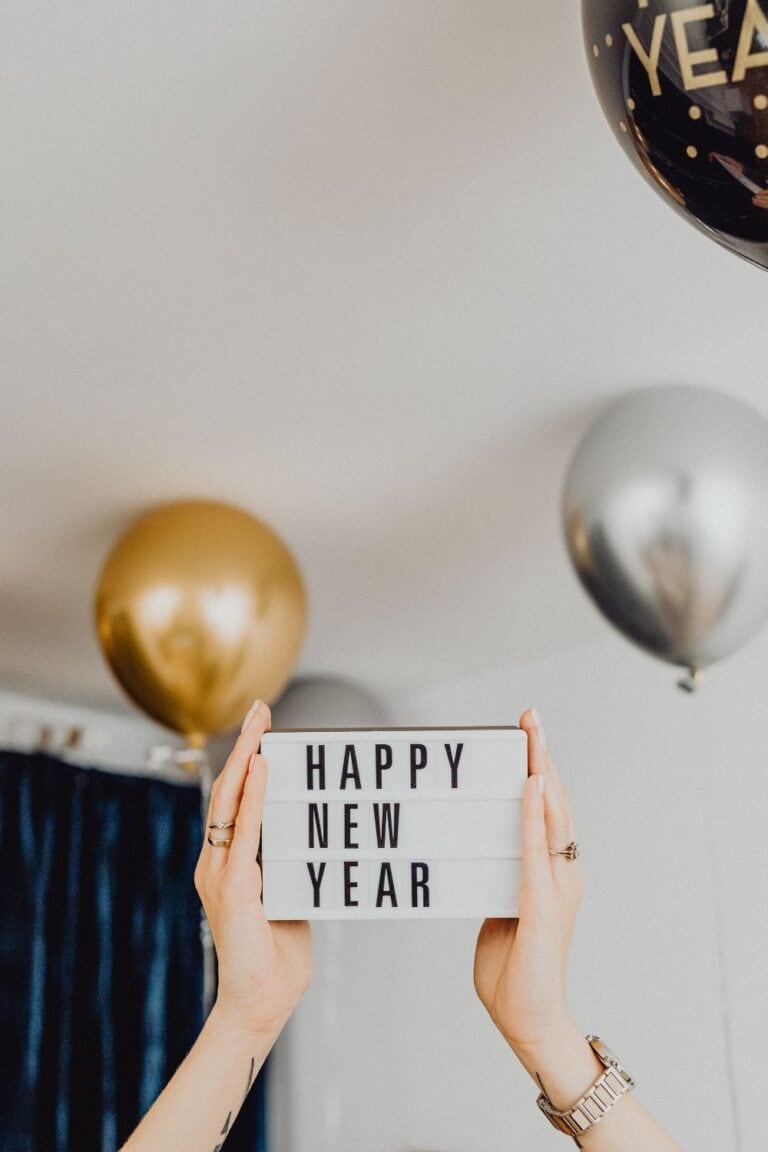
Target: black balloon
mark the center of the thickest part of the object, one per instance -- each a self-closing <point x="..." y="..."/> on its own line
<point x="684" y="87"/>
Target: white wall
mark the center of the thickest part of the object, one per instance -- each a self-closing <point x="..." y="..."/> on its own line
<point x="390" y="1050"/>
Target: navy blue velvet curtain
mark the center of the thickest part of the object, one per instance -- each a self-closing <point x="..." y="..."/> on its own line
<point x="100" y="962"/>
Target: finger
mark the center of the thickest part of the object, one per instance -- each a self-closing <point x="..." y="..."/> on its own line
<point x="563" y="799"/>
<point x="537" y="874"/>
<point x="557" y="808"/>
<point x="566" y="800"/>
<point x="531" y="721"/>
<point x="247" y="833"/>
<point x="228" y="787"/>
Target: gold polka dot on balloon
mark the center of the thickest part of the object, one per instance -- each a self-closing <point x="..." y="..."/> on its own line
<point x="631" y="104"/>
<point x="622" y="125"/>
<point x="692" y="152"/>
<point x="608" y="40"/>
<point x="760" y="102"/>
<point x="595" y="50"/>
<point x="761" y="151"/>
<point x="694" y="112"/>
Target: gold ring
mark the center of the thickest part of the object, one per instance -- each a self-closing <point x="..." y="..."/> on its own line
<point x="219" y="843"/>
<point x="220" y="825"/>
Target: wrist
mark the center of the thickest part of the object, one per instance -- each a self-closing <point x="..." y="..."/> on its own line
<point x="229" y="1018"/>
<point x="561" y="1062"/>
<point x="545" y="1038"/>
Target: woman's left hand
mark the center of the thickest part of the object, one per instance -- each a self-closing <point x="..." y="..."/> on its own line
<point x="264" y="967"/>
<point x="520" y="965"/>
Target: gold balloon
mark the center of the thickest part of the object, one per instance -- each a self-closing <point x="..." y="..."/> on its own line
<point x="200" y="608"/>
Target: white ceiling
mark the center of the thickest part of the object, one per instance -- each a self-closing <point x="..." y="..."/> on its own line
<point x="367" y="269"/>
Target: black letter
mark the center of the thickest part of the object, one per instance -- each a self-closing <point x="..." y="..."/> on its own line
<point x="386" y="870"/>
<point x="316" y="827"/>
<point x="383" y="761"/>
<point x="349" y="824"/>
<point x="454" y="763"/>
<point x="419" y="879"/>
<point x="382" y="818"/>
<point x="350" y="757"/>
<point x="316" y="881"/>
<point x="421" y="748"/>
<point x="349" y="883"/>
<point x="316" y="767"/>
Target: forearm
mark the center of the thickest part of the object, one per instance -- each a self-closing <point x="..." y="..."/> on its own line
<point x="564" y="1065"/>
<point x="199" y="1105"/>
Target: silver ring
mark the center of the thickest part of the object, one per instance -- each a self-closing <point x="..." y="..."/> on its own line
<point x="571" y="852"/>
<point x="220" y="825"/>
<point x="219" y="843"/>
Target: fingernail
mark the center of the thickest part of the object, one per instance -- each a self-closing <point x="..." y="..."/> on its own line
<point x="540" y="782"/>
<point x="249" y="714"/>
<point x="536" y="717"/>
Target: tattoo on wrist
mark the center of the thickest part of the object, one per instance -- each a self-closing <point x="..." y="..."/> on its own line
<point x="223" y="1132"/>
<point x="228" y="1120"/>
<point x="250" y="1077"/>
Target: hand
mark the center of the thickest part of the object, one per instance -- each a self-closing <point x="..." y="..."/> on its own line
<point x="760" y="199"/>
<point x="264" y="968"/>
<point x="520" y="965"/>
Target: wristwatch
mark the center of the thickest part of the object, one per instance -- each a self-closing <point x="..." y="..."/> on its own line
<point x="596" y="1101"/>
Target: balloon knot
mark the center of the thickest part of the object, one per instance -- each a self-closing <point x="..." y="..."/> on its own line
<point x="692" y="681"/>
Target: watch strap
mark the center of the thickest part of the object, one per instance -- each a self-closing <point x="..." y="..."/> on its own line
<point x="590" y="1108"/>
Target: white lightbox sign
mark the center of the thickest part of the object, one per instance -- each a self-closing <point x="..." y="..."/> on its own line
<point x="392" y="823"/>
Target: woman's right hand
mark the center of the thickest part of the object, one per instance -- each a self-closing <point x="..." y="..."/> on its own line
<point x="264" y="967"/>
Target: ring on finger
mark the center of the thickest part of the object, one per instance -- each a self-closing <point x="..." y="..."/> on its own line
<point x="570" y="852"/>
<point x="219" y="824"/>
<point x="219" y="843"/>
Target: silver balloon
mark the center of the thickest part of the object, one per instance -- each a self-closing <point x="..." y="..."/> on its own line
<point x="665" y="512"/>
